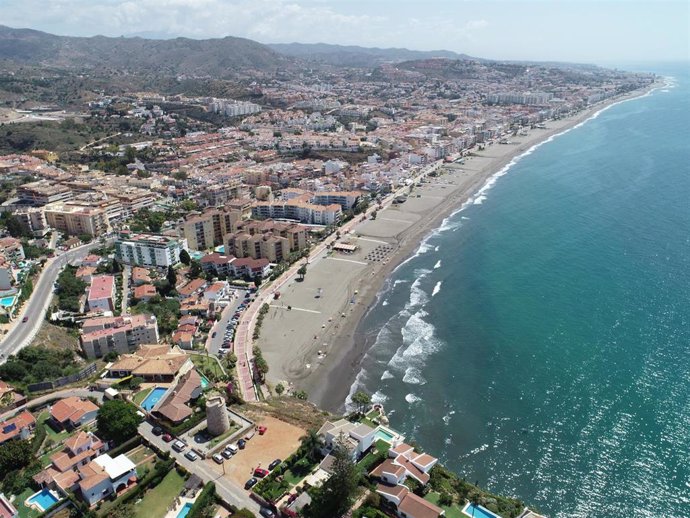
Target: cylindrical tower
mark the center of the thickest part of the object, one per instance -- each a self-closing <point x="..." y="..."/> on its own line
<point x="217" y="420"/>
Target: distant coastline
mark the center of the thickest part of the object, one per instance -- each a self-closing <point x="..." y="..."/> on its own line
<point x="330" y="384"/>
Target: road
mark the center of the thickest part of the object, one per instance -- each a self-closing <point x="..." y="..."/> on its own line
<point x="60" y="394"/>
<point x="35" y="308"/>
<point x="227" y="490"/>
<point x="245" y="328"/>
<point x="213" y="344"/>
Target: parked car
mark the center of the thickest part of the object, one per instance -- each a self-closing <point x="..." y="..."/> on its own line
<point x="226" y="453"/>
<point x="179" y="446"/>
<point x="232" y="448"/>
<point x="250" y="483"/>
<point x="261" y="472"/>
<point x="266" y="512"/>
<point x="249" y="435"/>
<point x="157" y="430"/>
<point x="241" y="444"/>
<point x="214" y="334"/>
<point x="273" y="465"/>
<point x="218" y="459"/>
<point x="191" y="455"/>
<point x="262" y="430"/>
<point x="167" y="437"/>
<point x="25" y="319"/>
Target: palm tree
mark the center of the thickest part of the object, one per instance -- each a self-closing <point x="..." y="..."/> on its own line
<point x="302" y="271"/>
<point x="311" y="445"/>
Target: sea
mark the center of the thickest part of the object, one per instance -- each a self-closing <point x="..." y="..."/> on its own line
<point x="538" y="341"/>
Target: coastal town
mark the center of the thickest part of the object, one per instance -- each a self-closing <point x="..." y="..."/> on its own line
<point x="179" y="297"/>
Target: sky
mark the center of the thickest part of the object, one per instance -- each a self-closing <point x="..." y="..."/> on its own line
<point x="614" y="31"/>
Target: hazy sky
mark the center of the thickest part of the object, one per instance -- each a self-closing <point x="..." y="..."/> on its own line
<point x="566" y="30"/>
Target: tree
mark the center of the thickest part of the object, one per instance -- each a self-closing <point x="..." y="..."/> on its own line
<point x="302" y="272"/>
<point x="172" y="277"/>
<point x="311" y="445"/>
<point x="362" y="400"/>
<point x="13" y="226"/>
<point x="445" y="499"/>
<point x="15" y="455"/>
<point x="195" y="270"/>
<point x="280" y="389"/>
<point x="336" y="496"/>
<point x="117" y="421"/>
<point x="185" y="257"/>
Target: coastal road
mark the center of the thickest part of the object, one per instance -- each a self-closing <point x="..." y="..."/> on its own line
<point x="34" y="310"/>
<point x="227" y="490"/>
<point x="245" y="328"/>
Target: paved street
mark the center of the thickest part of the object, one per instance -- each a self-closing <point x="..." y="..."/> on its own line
<point x="213" y="344"/>
<point x="227" y="490"/>
<point x="35" y="308"/>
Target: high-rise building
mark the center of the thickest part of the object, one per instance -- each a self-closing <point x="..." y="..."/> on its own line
<point x="147" y="250"/>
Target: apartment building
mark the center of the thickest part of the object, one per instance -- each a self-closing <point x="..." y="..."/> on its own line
<point x="147" y="250"/>
<point x="296" y="234"/>
<point x="75" y="220"/>
<point x="298" y="210"/>
<point x="346" y="199"/>
<point x="122" y="334"/>
<point x="206" y="231"/>
<point x="98" y="200"/>
<point x="32" y="220"/>
<point x="258" y="246"/>
<point x="42" y="193"/>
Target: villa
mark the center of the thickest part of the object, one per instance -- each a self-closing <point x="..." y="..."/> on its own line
<point x="175" y="407"/>
<point x="157" y="362"/>
<point x="356" y="437"/>
<point x="72" y="412"/>
<point x="528" y="513"/>
<point x="104" y="476"/>
<point x="79" y="450"/>
<point x="406" y="504"/>
<point x="416" y="465"/>
<point x="145" y="292"/>
<point x="19" y="427"/>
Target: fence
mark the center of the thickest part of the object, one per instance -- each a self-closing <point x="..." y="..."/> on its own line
<point x="86" y="372"/>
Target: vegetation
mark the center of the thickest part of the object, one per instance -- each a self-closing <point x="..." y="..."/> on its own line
<point x="34" y="364"/>
<point x="69" y="289"/>
<point x="336" y="496"/>
<point x="157" y="500"/>
<point x="15" y="455"/>
<point x="146" y="220"/>
<point x="362" y="400"/>
<point x="260" y="320"/>
<point x="204" y="506"/>
<point x="184" y="257"/>
<point x="117" y="421"/>
<point x="167" y="312"/>
<point x="260" y="363"/>
<point x="302" y="271"/>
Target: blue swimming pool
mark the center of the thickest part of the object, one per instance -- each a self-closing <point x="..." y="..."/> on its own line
<point x="477" y="511"/>
<point x="384" y="435"/>
<point x="44" y="499"/>
<point x="185" y="510"/>
<point x="204" y="383"/>
<point x="7" y="301"/>
<point x="153" y="398"/>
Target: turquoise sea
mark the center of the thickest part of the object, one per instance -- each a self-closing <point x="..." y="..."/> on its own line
<point x="538" y="342"/>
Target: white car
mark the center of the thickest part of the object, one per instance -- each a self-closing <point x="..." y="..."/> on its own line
<point x="218" y="458"/>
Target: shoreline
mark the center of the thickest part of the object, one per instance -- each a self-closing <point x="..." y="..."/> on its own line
<point x="329" y="379"/>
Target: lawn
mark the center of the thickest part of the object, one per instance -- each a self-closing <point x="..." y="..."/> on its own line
<point x="25" y="512"/>
<point x="217" y="440"/>
<point x="156" y="501"/>
<point x="207" y="365"/>
<point x="141" y="395"/>
<point x="454" y="511"/>
<point x="52" y="434"/>
<point x="139" y="454"/>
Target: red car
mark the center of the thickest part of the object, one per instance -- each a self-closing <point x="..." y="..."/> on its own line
<point x="167" y="437"/>
<point x="262" y="430"/>
<point x="260" y="472"/>
<point x="25" y="319"/>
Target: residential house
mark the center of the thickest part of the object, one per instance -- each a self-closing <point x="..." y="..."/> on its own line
<point x="104" y="476"/>
<point x="7" y="510"/>
<point x="175" y="407"/>
<point x="193" y="287"/>
<point x="356" y="437"/>
<point x="417" y="465"/>
<point x="217" y="264"/>
<point x="216" y="291"/>
<point x="145" y="292"/>
<point x="80" y="449"/>
<point x="92" y="260"/>
<point x="85" y="273"/>
<point x="101" y="295"/>
<point x="140" y="276"/>
<point x="248" y="267"/>
<point x="9" y="398"/>
<point x="72" y="412"/>
<point x="153" y="363"/>
<point x="19" y="427"/>
<point x="406" y="504"/>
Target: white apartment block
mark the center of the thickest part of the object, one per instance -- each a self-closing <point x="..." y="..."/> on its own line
<point x="147" y="250"/>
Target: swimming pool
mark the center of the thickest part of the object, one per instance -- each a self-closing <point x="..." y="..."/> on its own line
<point x="384" y="435"/>
<point x="204" y="383"/>
<point x="185" y="510"/>
<point x="44" y="499"/>
<point x="479" y="511"/>
<point x="7" y="301"/>
<point x="153" y="398"/>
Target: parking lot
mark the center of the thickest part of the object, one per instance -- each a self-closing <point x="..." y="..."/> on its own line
<point x="279" y="442"/>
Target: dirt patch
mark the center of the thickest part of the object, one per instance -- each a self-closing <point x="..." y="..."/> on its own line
<point x="302" y="414"/>
<point x="279" y="442"/>
<point x="55" y="337"/>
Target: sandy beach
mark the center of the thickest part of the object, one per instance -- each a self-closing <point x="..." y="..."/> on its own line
<point x="317" y="345"/>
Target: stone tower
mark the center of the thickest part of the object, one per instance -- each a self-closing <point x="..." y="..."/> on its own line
<point x="217" y="420"/>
